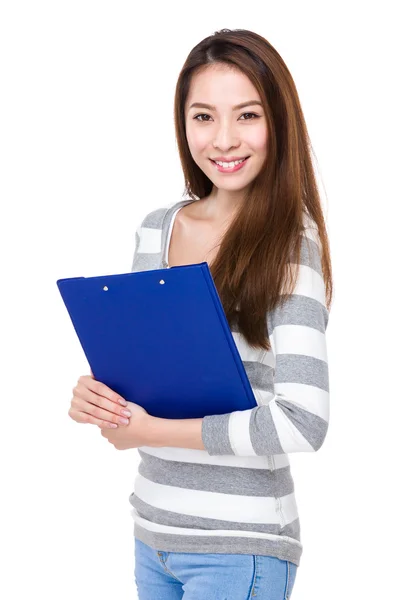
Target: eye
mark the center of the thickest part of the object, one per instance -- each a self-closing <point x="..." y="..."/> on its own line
<point x="205" y="115"/>
<point x="253" y="114"/>
<point x="202" y="115"/>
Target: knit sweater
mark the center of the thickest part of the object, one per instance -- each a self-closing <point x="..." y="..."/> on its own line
<point x="237" y="495"/>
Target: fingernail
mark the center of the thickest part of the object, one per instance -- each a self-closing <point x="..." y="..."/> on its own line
<point x="123" y="402"/>
<point x="124" y="421"/>
<point x="127" y="413"/>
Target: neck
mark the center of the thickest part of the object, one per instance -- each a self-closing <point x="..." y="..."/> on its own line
<point x="221" y="205"/>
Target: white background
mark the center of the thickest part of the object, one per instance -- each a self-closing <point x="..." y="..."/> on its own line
<point x="87" y="150"/>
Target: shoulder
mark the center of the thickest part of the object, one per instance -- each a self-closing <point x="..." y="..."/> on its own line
<point x="149" y="236"/>
<point x="158" y="217"/>
<point x="155" y="218"/>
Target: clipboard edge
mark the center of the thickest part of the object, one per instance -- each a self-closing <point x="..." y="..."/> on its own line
<point x="234" y="350"/>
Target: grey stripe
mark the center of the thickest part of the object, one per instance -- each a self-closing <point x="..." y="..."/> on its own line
<point x="263" y="434"/>
<point x="260" y="376"/>
<point x="215" y="436"/>
<point x="299" y="368"/>
<point x="282" y="549"/>
<point x="146" y="262"/>
<point x="310" y="255"/>
<point x="217" y="478"/>
<point x="136" y="255"/>
<point x="299" y="310"/>
<point x="154" y="219"/>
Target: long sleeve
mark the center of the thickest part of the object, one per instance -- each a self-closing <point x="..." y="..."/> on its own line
<point x="295" y="417"/>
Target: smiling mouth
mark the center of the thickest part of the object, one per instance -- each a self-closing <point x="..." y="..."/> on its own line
<point x="233" y="166"/>
<point x="235" y="163"/>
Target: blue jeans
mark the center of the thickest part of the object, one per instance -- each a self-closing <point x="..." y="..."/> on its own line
<point x="193" y="576"/>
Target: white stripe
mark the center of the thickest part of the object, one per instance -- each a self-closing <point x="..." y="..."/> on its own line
<point x="239" y="433"/>
<point x="202" y="457"/>
<point x="291" y="439"/>
<point x="213" y="505"/>
<point x="268" y="359"/>
<point x="289" y="508"/>
<point x="299" y="339"/>
<point x="309" y="397"/>
<point x="158" y="528"/>
<point x="266" y="397"/>
<point x="150" y="240"/>
<point x="310" y="284"/>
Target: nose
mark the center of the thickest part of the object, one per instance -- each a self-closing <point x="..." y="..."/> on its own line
<point x="226" y="137"/>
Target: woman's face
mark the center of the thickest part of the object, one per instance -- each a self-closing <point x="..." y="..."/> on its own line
<point x="222" y="130"/>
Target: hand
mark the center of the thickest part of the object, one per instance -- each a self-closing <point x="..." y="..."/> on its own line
<point x="136" y="434"/>
<point x="94" y="402"/>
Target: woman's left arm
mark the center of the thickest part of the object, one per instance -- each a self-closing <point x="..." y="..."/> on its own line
<point x="295" y="418"/>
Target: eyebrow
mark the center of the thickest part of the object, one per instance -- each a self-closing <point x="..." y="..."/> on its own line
<point x="242" y="105"/>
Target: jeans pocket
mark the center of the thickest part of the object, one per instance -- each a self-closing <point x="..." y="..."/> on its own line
<point x="291" y="575"/>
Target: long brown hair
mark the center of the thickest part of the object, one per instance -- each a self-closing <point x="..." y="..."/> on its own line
<point x="252" y="269"/>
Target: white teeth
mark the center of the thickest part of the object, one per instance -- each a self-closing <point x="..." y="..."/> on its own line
<point x="229" y="165"/>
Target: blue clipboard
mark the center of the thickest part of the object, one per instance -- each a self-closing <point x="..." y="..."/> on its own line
<point x="160" y="339"/>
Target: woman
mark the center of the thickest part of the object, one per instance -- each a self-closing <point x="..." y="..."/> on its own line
<point x="213" y="504"/>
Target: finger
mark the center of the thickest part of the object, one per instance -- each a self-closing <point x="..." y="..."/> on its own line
<point x="86" y="418"/>
<point x="92" y="408"/>
<point x="98" y="412"/>
<point x="101" y="389"/>
<point x="85" y="392"/>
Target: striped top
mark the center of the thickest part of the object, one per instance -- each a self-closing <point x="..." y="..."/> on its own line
<point x="237" y="495"/>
